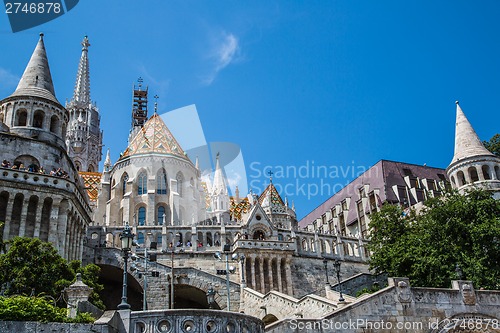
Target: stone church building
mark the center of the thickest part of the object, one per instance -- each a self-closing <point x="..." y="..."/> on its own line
<point x="192" y="237"/>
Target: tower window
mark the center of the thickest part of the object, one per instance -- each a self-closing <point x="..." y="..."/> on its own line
<point x="161" y="183"/>
<point x="141" y="216"/>
<point x="142" y="183"/>
<point x="38" y="119"/>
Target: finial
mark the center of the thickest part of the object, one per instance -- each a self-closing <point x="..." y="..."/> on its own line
<point x="456" y="102"/>
<point x="156" y="102"/>
<point x="41" y="35"/>
<point x="140" y="81"/>
<point x="85" y="43"/>
<point x="270" y="173"/>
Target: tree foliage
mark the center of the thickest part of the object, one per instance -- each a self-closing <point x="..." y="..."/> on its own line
<point x="461" y="230"/>
<point x="493" y="145"/>
<point x="33" y="267"/>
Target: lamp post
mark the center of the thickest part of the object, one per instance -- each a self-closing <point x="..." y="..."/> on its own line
<point x="126" y="238"/>
<point x="210" y="297"/>
<point x="227" y="250"/>
<point x="229" y="269"/>
<point x="336" y="266"/>
<point x="325" y="263"/>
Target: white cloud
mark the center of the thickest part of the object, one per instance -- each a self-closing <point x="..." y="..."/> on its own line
<point x="224" y="52"/>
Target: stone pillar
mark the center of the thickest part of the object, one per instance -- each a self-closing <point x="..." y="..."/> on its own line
<point x="270" y="273"/>
<point x="261" y="277"/>
<point x="54" y="219"/>
<point x="479" y="171"/>
<point x="76" y="293"/>
<point x="38" y="220"/>
<point x="278" y="273"/>
<point x="8" y="215"/>
<point x="252" y="272"/>
<point x="493" y="174"/>
<point x="288" y="277"/>
<point x="24" y="214"/>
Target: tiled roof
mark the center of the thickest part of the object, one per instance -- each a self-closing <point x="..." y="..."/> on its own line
<point x="238" y="209"/>
<point x="92" y="181"/>
<point x="154" y="137"/>
<point x="275" y="196"/>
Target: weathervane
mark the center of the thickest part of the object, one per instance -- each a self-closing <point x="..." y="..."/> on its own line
<point x="270" y="173"/>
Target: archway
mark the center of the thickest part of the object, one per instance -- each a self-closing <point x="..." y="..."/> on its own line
<point x="259" y="234"/>
<point x="189" y="297"/>
<point x="112" y="277"/>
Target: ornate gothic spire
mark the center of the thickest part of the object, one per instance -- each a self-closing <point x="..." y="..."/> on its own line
<point x="37" y="80"/>
<point x="467" y="142"/>
<point x="82" y="85"/>
<point x="219" y="185"/>
<point x="107" y="162"/>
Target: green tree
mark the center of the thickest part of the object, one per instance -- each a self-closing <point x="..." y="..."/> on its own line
<point x="493" y="145"/>
<point x="90" y="276"/>
<point x="461" y="230"/>
<point x="32" y="266"/>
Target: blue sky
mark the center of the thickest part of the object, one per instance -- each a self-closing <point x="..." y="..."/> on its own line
<point x="337" y="84"/>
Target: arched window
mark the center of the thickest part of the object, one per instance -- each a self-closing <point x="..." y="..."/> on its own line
<point x="141" y="216"/>
<point x="453" y="181"/>
<point x="21" y="118"/>
<point x="124" y="183"/>
<point x="161" y="182"/>
<point x="161" y="217"/>
<point x="460" y="178"/>
<point x="473" y="174"/>
<point x="54" y="124"/>
<point x="159" y="239"/>
<point x="497" y="172"/>
<point x="140" y="238"/>
<point x="486" y="172"/>
<point x="142" y="183"/>
<point x="38" y="119"/>
<point x="180" y="180"/>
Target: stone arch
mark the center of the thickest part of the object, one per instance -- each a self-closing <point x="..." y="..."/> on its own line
<point x="269" y="319"/>
<point x="38" y="118"/>
<point x="486" y="172"/>
<point x="78" y="165"/>
<point x="2" y="116"/>
<point x="162" y="182"/>
<point x="453" y="182"/>
<point x="4" y="200"/>
<point x="141" y="212"/>
<point x="328" y="249"/>
<point x="91" y="168"/>
<point x="304" y="245"/>
<point x="21" y="117"/>
<point x="473" y="175"/>
<point x="45" y="219"/>
<point x="54" y="124"/>
<point x="29" y="162"/>
<point x="497" y="171"/>
<point x="460" y="178"/>
<point x="29" y="230"/>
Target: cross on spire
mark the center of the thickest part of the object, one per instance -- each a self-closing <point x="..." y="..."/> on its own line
<point x="270" y="173"/>
<point x="156" y="102"/>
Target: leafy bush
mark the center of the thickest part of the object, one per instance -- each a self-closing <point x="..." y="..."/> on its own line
<point x="24" y="308"/>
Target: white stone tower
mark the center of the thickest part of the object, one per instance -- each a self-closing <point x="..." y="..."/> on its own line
<point x="473" y="166"/>
<point x="84" y="137"/>
<point x="32" y="110"/>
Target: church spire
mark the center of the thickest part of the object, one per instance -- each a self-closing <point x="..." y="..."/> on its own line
<point x="37" y="80"/>
<point x="82" y="85"/>
<point x="219" y="185"/>
<point x="467" y="142"/>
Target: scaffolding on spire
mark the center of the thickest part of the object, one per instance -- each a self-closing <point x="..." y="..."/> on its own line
<point x="139" y="106"/>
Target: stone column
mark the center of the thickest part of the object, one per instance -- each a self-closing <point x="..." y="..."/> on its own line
<point x="54" y="220"/>
<point x="288" y="277"/>
<point x="24" y="214"/>
<point x="270" y="273"/>
<point x="38" y="220"/>
<point x="262" y="280"/>
<point x="278" y="273"/>
<point x="8" y="215"/>
<point x="479" y="171"/>
<point x="252" y="271"/>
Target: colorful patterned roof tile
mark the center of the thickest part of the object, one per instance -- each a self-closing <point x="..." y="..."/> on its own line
<point x="238" y="209"/>
<point x="92" y="182"/>
<point x="204" y="186"/>
<point x="275" y="196"/>
<point x="154" y="137"/>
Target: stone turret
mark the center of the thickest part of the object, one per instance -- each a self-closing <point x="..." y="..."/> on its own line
<point x="472" y="165"/>
<point x="33" y="111"/>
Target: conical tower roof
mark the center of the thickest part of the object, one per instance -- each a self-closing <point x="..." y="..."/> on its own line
<point x="154" y="137"/>
<point x="467" y="142"/>
<point x="274" y="197"/>
<point x="37" y="80"/>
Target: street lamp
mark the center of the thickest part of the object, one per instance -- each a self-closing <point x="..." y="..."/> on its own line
<point x="126" y="238"/>
<point x="325" y="263"/>
<point x="229" y="269"/>
<point x="336" y="266"/>
<point x="210" y="297"/>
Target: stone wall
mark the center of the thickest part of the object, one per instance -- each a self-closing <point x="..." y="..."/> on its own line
<point x="401" y="308"/>
<point x="37" y="327"/>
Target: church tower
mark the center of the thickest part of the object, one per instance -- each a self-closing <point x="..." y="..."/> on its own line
<point x="219" y="196"/>
<point x="84" y="137"/>
<point x="473" y="166"/>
